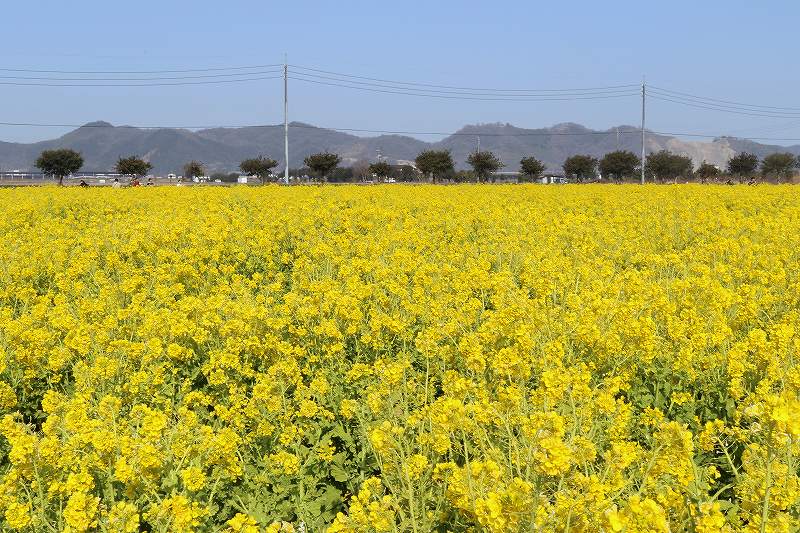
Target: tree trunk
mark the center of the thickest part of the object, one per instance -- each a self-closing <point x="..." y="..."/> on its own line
<point x="61" y="181"/>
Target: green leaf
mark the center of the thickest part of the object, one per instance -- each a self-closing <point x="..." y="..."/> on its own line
<point x="338" y="473"/>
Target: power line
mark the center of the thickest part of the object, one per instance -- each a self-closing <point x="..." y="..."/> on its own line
<point x="159" y="84"/>
<point x="462" y="88"/>
<point x="238" y="74"/>
<point x="722" y="109"/>
<point x="226" y="75"/>
<point x="456" y="97"/>
<point x="463" y="93"/>
<point x="740" y="104"/>
<point x="251" y="67"/>
<point x="726" y="107"/>
<point x="710" y="136"/>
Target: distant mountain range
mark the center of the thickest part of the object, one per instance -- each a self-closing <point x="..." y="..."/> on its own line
<point x="221" y="149"/>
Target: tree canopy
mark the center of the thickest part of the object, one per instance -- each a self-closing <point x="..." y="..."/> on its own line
<point x="484" y="164"/>
<point x="361" y="170"/>
<point x="193" y="168"/>
<point x="530" y="168"/>
<point x="780" y="165"/>
<point x="435" y="163"/>
<point x="580" y="167"/>
<point x="258" y="166"/>
<point x="706" y="171"/>
<point x="60" y="162"/>
<point x="743" y="164"/>
<point x="132" y="166"/>
<point x="322" y="164"/>
<point x="405" y="173"/>
<point x="381" y="169"/>
<point x="619" y="164"/>
<point x="665" y="165"/>
<point x="341" y="175"/>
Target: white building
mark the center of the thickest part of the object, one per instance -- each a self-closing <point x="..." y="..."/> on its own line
<point x="550" y="179"/>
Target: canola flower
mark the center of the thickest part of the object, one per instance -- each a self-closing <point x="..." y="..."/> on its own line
<point x="400" y="359"/>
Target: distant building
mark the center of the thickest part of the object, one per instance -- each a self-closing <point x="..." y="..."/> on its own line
<point x="505" y="175"/>
<point x="512" y="175"/>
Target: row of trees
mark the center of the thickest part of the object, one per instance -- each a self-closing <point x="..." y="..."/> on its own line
<point x="438" y="164"/>
<point x="665" y="165"/>
<point x="63" y="162"/>
<point x="618" y="165"/>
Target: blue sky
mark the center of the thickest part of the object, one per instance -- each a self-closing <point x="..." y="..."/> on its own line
<point x="733" y="50"/>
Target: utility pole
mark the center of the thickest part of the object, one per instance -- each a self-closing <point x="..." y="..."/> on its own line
<point x="286" y="118"/>
<point x="643" y="154"/>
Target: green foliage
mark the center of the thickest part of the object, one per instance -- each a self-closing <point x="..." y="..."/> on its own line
<point x="619" y="165"/>
<point x="322" y="163"/>
<point x="341" y="175"/>
<point x="743" y="164"/>
<point x="132" y="166"/>
<point x="259" y="166"/>
<point x="706" y="171"/>
<point x="315" y="494"/>
<point x="193" y="168"/>
<point x="580" y="167"/>
<point x="61" y="162"/>
<point x="530" y="168"/>
<point x="381" y="169"/>
<point x="405" y="173"/>
<point x="464" y="176"/>
<point x="484" y="164"/>
<point x="780" y="165"/>
<point x="665" y="165"/>
<point x="435" y="163"/>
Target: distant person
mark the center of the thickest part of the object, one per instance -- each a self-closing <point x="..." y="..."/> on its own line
<point x="116" y="184"/>
<point x="150" y="181"/>
<point x="83" y="184"/>
<point x="135" y="182"/>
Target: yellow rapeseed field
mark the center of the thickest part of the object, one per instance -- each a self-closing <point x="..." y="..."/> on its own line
<point x="400" y="359"/>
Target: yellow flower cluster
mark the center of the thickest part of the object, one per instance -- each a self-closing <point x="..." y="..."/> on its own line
<point x="405" y="358"/>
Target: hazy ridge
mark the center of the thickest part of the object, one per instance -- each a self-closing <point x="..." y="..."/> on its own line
<point x="222" y="149"/>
